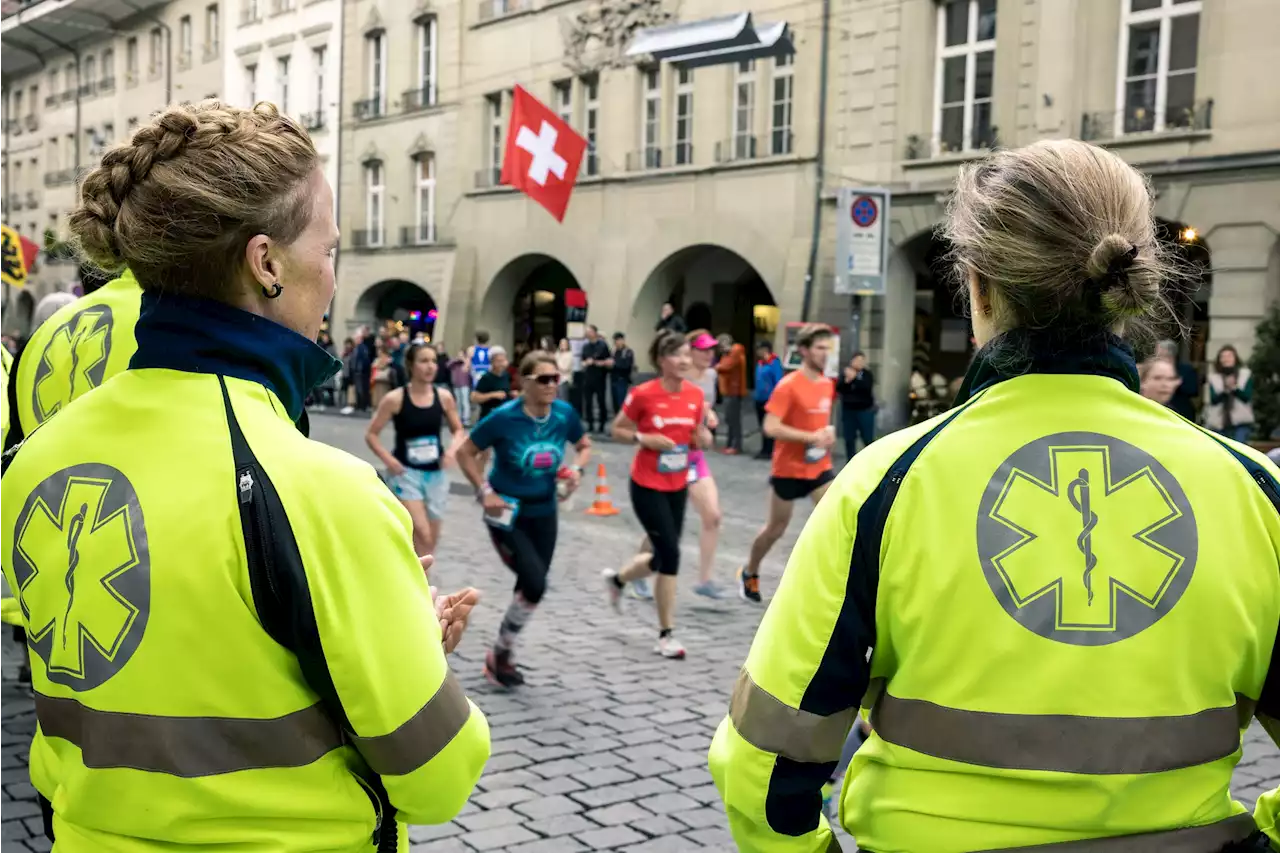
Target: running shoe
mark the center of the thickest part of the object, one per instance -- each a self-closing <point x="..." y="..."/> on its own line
<point x="499" y="669"/>
<point x="640" y="589"/>
<point x="613" y="592"/>
<point x="709" y="589"/>
<point x="748" y="586"/>
<point x="669" y="647"/>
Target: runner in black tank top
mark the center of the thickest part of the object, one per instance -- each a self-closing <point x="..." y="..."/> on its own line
<point x="419" y="411"/>
<point x="414" y="423"/>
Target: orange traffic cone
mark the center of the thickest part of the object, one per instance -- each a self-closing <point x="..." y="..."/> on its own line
<point x="602" y="504"/>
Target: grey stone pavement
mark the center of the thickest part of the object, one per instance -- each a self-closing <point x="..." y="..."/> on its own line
<point x="605" y="747"/>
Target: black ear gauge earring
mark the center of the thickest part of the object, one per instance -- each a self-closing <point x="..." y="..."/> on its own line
<point x="276" y="290"/>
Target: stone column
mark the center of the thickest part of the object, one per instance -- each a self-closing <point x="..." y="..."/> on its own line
<point x="1244" y="283"/>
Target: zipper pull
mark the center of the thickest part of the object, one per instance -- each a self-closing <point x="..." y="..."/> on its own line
<point x="246" y="486"/>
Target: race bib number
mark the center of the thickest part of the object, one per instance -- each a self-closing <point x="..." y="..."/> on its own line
<point x="814" y="454"/>
<point x="424" y="450"/>
<point x="507" y="517"/>
<point x="674" y="460"/>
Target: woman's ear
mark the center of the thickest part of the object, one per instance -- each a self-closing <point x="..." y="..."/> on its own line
<point x="977" y="295"/>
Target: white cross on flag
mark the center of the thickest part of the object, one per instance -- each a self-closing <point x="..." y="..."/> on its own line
<point x="543" y="154"/>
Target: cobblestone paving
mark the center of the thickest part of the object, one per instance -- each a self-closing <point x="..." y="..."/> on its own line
<point x="605" y="748"/>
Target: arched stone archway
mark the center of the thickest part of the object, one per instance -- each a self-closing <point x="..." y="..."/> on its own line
<point x="709" y="284"/>
<point x="398" y="301"/>
<point x="525" y="302"/>
<point x="1189" y="295"/>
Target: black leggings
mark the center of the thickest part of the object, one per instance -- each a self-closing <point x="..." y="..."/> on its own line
<point x="661" y="514"/>
<point x="527" y="549"/>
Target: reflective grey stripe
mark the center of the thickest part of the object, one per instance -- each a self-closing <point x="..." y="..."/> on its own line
<point x="1194" y="839"/>
<point x="423" y="736"/>
<point x="1058" y="742"/>
<point x="188" y="746"/>
<point x="769" y="724"/>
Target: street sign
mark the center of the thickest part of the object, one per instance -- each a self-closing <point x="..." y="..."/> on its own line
<point x="862" y="240"/>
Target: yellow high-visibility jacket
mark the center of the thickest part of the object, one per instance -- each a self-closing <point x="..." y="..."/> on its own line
<point x="77" y="349"/>
<point x="1058" y="603"/>
<point x="233" y="643"/>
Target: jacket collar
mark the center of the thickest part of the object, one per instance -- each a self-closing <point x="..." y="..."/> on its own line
<point x="205" y="336"/>
<point x="1021" y="352"/>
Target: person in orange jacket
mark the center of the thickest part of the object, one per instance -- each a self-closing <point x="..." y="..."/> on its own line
<point x="733" y="388"/>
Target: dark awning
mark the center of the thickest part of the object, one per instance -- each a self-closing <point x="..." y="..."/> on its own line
<point x="32" y="31"/>
<point x="713" y="41"/>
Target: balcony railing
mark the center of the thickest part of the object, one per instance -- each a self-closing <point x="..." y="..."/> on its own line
<point x="369" y="108"/>
<point x="927" y="147"/>
<point x="1139" y="118"/>
<point x="280" y="6"/>
<point x="68" y="94"/>
<point x="493" y="9"/>
<point x="418" y="99"/>
<point x="51" y="100"/>
<point x="422" y="234"/>
<point x="313" y="121"/>
<point x="680" y="154"/>
<point x="59" y="177"/>
<point x="776" y="143"/>
<point x="87" y="89"/>
<point x="250" y="15"/>
<point x="33" y="201"/>
<point x="14" y="202"/>
<point x="31" y="122"/>
<point x="12" y="125"/>
<point x="488" y="177"/>
<point x="184" y="60"/>
<point x="107" y="84"/>
<point x="368" y="238"/>
<point x="212" y="51"/>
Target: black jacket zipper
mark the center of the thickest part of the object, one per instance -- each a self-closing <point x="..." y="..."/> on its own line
<point x="1268" y="488"/>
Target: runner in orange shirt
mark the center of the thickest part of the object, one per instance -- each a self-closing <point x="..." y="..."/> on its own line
<point x="798" y="418"/>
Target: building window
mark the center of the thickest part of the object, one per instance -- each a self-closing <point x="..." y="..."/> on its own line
<point x="1158" y="45"/>
<point x="562" y="100"/>
<point x="108" y="68"/>
<point x="591" y="123"/>
<point x="966" y="62"/>
<point x="251" y="85"/>
<point x="90" y="75"/>
<point x="51" y="154"/>
<point x="69" y="153"/>
<point x="426" y="186"/>
<point x="318" y="56"/>
<point x="251" y="12"/>
<point x="282" y="83"/>
<point x="130" y="61"/>
<point x="427" y="61"/>
<point x="212" y="36"/>
<point x="108" y="134"/>
<point x="651" y="117"/>
<point x="53" y="86"/>
<point x="744" y="110"/>
<point x="17" y="107"/>
<point x="493" y="110"/>
<point x="378" y="72"/>
<point x="374" y="192"/>
<point x="157" y="53"/>
<point x="780" y="118"/>
<point x="73" y="81"/>
<point x="684" y="117"/>
<point x="184" y="41"/>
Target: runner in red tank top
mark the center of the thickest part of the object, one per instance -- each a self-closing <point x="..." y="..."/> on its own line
<point x="664" y="416"/>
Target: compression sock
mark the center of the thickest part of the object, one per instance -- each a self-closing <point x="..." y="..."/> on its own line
<point x="513" y="622"/>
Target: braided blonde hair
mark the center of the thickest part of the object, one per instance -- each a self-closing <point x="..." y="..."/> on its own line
<point x="180" y="200"/>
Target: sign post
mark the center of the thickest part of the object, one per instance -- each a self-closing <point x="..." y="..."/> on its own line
<point x="862" y="249"/>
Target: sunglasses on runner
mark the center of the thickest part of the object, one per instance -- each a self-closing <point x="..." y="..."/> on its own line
<point x="546" y="379"/>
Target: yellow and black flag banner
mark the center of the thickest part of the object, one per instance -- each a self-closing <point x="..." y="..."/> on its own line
<point x="16" y="257"/>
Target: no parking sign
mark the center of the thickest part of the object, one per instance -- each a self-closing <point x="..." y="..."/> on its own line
<point x="862" y="240"/>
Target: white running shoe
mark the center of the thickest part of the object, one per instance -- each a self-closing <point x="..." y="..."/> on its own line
<point x="613" y="592"/>
<point x="669" y="647"/>
<point x="639" y="589"/>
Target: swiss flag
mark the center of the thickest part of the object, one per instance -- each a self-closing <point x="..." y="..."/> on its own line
<point x="543" y="154"/>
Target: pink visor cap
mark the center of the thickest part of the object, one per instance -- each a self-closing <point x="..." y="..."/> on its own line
<point x="704" y="341"/>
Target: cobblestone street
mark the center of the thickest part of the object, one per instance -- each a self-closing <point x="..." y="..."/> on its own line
<point x="605" y="748"/>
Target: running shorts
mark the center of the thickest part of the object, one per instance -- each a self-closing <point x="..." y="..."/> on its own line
<point x="793" y="488"/>
<point x="430" y="487"/>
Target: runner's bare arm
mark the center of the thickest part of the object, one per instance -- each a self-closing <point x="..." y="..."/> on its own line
<point x="468" y="456"/>
<point x="777" y="430"/>
<point x="456" y="433"/>
<point x="387" y="409"/>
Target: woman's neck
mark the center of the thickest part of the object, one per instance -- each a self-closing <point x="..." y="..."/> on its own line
<point x="420" y="385"/>
<point x="536" y="409"/>
<point x="672" y="384"/>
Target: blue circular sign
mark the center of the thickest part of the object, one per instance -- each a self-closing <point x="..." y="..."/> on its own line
<point x="864" y="211"/>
